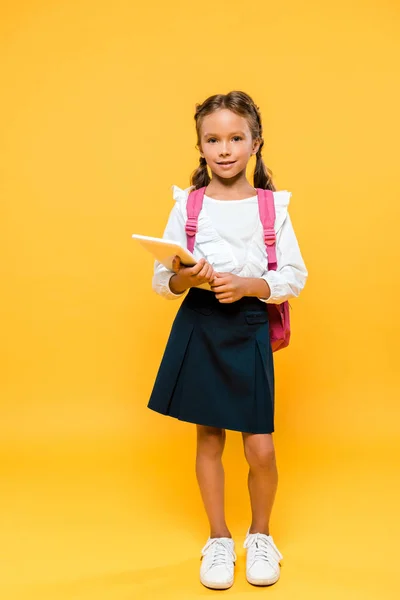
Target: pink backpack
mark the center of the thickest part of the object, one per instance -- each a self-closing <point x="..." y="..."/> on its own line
<point x="278" y="314"/>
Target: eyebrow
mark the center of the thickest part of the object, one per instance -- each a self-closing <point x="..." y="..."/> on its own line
<point x="216" y="135"/>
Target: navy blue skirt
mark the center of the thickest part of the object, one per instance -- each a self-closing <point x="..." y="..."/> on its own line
<point x="218" y="367"/>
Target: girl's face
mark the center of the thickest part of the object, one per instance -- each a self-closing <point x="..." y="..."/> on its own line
<point x="226" y="143"/>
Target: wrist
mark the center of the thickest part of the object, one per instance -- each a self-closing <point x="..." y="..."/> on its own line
<point x="178" y="284"/>
<point x="247" y="287"/>
<point x="256" y="286"/>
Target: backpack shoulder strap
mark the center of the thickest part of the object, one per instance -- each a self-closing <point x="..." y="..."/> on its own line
<point x="266" y="207"/>
<point x="193" y="208"/>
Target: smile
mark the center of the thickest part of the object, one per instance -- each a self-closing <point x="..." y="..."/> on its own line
<point x="226" y="164"/>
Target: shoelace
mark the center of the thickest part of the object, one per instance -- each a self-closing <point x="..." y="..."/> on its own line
<point x="263" y="549"/>
<point x="221" y="549"/>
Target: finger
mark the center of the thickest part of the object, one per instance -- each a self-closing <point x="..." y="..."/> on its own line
<point x="227" y="300"/>
<point x="223" y="296"/>
<point x="176" y="264"/>
<point x="207" y="271"/>
<point x="210" y="273"/>
<point x="212" y="278"/>
<point x="204" y="271"/>
<point x="223" y="280"/>
<point x="198" y="267"/>
<point x="220" y="283"/>
<point x="221" y="289"/>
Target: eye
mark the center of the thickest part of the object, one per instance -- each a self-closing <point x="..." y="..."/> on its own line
<point x="211" y="139"/>
<point x="237" y="137"/>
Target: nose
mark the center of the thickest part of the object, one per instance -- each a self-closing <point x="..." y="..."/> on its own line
<point x="224" y="149"/>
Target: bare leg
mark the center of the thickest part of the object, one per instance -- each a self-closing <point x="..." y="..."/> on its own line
<point x="262" y="480"/>
<point x="211" y="478"/>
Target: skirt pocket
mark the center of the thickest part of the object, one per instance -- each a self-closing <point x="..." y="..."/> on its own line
<point x="256" y="316"/>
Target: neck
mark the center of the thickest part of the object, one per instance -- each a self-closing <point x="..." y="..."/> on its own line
<point x="234" y="188"/>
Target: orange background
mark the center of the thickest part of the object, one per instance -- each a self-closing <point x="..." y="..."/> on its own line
<point x="99" y="498"/>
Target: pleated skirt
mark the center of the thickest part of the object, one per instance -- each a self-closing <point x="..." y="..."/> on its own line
<point x="217" y="368"/>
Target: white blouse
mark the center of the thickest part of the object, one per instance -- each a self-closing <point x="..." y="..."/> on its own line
<point x="230" y="237"/>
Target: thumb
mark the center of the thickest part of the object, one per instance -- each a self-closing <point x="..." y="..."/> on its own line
<point x="176" y="264"/>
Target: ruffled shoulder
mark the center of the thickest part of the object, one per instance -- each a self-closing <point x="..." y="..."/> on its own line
<point x="180" y="195"/>
<point x="281" y="201"/>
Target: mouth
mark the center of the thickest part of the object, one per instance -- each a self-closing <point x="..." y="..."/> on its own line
<point x="227" y="163"/>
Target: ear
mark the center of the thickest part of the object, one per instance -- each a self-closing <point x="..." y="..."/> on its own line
<point x="198" y="147"/>
<point x="256" y="145"/>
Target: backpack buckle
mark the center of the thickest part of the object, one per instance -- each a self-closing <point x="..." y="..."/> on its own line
<point x="191" y="226"/>
<point x="269" y="236"/>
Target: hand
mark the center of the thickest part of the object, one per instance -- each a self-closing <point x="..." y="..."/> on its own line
<point x="188" y="277"/>
<point x="228" y="288"/>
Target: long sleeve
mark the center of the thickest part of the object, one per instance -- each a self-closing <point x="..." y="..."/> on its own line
<point x="291" y="274"/>
<point x="175" y="231"/>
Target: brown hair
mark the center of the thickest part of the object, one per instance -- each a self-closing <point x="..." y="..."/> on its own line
<point x="241" y="104"/>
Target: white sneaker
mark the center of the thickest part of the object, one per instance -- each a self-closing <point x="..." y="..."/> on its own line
<point x="263" y="558"/>
<point x="217" y="563"/>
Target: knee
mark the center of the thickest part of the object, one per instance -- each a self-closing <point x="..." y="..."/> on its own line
<point x="210" y="440"/>
<point x="260" y="456"/>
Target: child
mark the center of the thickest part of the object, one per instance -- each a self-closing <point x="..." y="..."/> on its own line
<point x="217" y="370"/>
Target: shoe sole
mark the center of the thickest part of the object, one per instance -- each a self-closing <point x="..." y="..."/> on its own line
<point x="262" y="581"/>
<point x="217" y="586"/>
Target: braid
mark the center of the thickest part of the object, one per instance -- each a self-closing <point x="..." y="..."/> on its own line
<point x="200" y="177"/>
<point x="262" y="175"/>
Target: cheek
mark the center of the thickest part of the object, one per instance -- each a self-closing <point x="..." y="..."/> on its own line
<point x="245" y="152"/>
